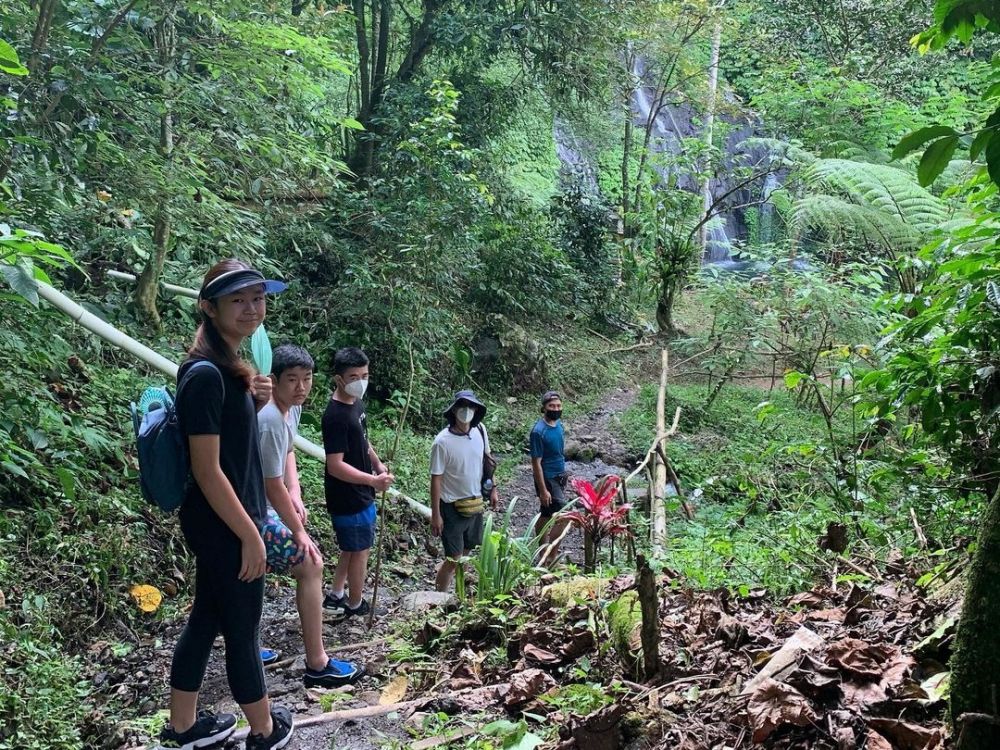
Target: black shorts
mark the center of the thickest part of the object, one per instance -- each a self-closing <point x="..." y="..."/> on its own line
<point x="556" y="485"/>
<point x="461" y="533"/>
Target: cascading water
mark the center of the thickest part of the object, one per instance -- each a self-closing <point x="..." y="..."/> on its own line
<point x="765" y="229"/>
<point x="673" y="122"/>
<point x="575" y="165"/>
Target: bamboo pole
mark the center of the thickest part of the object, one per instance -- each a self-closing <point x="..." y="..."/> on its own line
<point x="157" y="361"/>
<point x="658" y="511"/>
<point x="383" y="527"/>
<point x="180" y="291"/>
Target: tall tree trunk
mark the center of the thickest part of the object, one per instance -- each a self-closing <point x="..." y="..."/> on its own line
<point x="649" y="600"/>
<point x="713" y="86"/>
<point x="627" y="142"/>
<point x="40" y="37"/>
<point x="975" y="665"/>
<point x="373" y="58"/>
<point x="149" y="280"/>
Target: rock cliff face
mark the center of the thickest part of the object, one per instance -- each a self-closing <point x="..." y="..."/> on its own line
<point x="674" y="122"/>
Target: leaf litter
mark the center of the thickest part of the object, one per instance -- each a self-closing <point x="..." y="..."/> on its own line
<point x="826" y="669"/>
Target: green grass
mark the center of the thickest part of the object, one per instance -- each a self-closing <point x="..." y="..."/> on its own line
<point x="764" y="490"/>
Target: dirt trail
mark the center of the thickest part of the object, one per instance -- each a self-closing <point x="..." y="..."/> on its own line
<point x="409" y="566"/>
<point x="593" y="436"/>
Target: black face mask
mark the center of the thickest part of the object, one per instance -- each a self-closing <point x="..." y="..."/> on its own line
<point x="553" y="414"/>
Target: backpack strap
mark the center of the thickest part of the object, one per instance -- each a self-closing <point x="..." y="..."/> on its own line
<point x="196" y="365"/>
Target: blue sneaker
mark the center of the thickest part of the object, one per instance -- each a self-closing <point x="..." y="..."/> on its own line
<point x="269" y="656"/>
<point x="208" y="729"/>
<point x="335" y="674"/>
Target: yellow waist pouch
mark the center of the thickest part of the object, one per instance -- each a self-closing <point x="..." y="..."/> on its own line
<point x="469" y="506"/>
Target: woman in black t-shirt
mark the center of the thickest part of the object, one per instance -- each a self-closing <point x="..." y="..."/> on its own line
<point x="222" y="513"/>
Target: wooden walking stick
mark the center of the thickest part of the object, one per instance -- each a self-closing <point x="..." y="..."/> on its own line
<point x="384" y="526"/>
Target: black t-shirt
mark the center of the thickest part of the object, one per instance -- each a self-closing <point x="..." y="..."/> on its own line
<point x="345" y="431"/>
<point x="201" y="410"/>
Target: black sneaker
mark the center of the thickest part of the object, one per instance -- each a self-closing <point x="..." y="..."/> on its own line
<point x="335" y="674"/>
<point x="334" y="604"/>
<point x="281" y="732"/>
<point x="208" y="729"/>
<point x="362" y="609"/>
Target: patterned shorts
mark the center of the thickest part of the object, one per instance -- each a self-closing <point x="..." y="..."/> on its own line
<point x="282" y="551"/>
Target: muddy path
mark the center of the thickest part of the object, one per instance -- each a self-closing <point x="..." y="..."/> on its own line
<point x="594" y="449"/>
<point x="411" y="558"/>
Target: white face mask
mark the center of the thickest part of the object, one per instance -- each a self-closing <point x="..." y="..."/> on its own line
<point x="356" y="388"/>
<point x="465" y="414"/>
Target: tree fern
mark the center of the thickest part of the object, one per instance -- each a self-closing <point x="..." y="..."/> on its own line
<point x="840" y="219"/>
<point x="907" y="210"/>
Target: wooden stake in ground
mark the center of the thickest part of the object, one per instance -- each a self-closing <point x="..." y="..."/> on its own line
<point x="649" y="601"/>
<point x="383" y="528"/>
<point x="658" y="511"/>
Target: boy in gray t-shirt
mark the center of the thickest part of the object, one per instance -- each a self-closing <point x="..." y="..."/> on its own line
<point x="288" y="545"/>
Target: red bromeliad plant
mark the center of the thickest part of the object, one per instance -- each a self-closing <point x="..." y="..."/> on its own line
<point x="600" y="518"/>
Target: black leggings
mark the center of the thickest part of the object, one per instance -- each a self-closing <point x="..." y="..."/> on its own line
<point x="222" y="604"/>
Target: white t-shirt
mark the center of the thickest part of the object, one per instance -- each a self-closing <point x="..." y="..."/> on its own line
<point x="277" y="435"/>
<point x="458" y="460"/>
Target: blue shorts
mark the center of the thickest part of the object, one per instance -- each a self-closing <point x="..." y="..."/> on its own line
<point x="355" y="533"/>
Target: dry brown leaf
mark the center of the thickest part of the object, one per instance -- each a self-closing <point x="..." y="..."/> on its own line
<point x="540" y="656"/>
<point x="810" y="599"/>
<point x="906" y="735"/>
<point x="860" y="658"/>
<point x="863" y="695"/>
<point x="526" y="685"/>
<point x="875" y="741"/>
<point x="774" y="704"/>
<point x="578" y="641"/>
<point x="394" y="691"/>
<point x="835" y="614"/>
<point x="146" y="597"/>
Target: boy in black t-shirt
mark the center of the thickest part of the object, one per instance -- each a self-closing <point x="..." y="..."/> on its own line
<point x="354" y="473"/>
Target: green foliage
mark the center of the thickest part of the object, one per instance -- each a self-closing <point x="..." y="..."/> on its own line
<point x="42" y="695"/>
<point x="22" y="253"/>
<point x="503" y="562"/>
<point x="941" y="353"/>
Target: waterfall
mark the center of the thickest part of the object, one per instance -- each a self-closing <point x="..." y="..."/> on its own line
<point x="676" y="121"/>
<point x="573" y="160"/>
<point x="765" y="233"/>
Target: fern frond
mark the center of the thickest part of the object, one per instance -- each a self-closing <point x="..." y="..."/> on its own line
<point x="885" y="189"/>
<point x="839" y="218"/>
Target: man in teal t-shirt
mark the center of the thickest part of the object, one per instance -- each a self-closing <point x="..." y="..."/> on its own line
<point x="548" y="465"/>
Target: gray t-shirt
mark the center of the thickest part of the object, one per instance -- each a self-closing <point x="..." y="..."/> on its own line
<point x="277" y="434"/>
<point x="458" y="460"/>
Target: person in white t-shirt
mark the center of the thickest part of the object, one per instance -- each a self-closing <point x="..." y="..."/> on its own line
<point x="457" y="483"/>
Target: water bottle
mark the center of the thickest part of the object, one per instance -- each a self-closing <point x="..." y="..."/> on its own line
<point x="487" y="488"/>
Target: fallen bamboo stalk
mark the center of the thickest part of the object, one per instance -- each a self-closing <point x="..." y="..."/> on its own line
<point x="348" y="714"/>
<point x="916" y="527"/>
<point x="444" y="739"/>
<point x="339" y="650"/>
<point x="157" y="361"/>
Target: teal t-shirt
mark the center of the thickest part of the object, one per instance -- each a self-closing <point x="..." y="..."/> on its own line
<point x="546" y="442"/>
